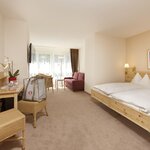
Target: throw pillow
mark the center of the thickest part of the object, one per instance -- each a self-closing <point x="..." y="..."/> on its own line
<point x="136" y="78"/>
<point x="145" y="81"/>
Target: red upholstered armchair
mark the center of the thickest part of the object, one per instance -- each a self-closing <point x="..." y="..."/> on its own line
<point x="75" y="83"/>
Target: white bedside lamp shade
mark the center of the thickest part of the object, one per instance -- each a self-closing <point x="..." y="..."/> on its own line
<point x="126" y="65"/>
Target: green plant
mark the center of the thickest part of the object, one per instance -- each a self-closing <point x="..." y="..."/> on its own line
<point x="15" y="74"/>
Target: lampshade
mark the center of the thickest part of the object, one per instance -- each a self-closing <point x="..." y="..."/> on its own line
<point x="126" y="65"/>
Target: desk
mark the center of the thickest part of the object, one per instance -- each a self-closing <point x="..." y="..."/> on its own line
<point x="11" y="93"/>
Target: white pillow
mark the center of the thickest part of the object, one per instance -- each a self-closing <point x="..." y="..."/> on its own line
<point x="145" y="81"/>
<point x="137" y="78"/>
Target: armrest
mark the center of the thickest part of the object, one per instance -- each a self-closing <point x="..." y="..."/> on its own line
<point x="77" y="82"/>
<point x="68" y="78"/>
<point x="77" y="85"/>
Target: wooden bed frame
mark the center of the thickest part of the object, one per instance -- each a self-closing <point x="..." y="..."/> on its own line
<point x="140" y="118"/>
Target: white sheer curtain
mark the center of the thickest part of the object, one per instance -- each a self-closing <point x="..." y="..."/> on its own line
<point x="51" y="62"/>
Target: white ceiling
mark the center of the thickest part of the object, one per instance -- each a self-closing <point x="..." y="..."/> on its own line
<point x="53" y="22"/>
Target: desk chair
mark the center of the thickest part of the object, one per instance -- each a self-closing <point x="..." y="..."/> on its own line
<point x="32" y="106"/>
<point x="48" y="79"/>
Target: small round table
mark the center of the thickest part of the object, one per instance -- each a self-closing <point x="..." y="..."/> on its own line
<point x="61" y="81"/>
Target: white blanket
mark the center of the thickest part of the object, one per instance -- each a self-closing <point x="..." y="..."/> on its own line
<point x="110" y="88"/>
<point x="138" y="97"/>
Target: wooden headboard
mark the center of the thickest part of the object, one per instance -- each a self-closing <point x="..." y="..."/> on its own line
<point x="142" y="73"/>
<point x="130" y="73"/>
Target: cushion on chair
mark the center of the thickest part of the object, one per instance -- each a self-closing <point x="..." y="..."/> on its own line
<point x="69" y="80"/>
<point x="75" y="75"/>
<point x="31" y="107"/>
<point x="81" y="76"/>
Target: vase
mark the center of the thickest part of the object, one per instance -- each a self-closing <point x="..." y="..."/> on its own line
<point x="12" y="79"/>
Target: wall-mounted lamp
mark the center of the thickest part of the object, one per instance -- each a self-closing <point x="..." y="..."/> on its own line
<point x="126" y="65"/>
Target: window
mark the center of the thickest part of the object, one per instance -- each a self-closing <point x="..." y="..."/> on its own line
<point x="44" y="63"/>
<point x="51" y="63"/>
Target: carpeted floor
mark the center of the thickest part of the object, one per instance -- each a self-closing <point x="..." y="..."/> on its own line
<point x="77" y="122"/>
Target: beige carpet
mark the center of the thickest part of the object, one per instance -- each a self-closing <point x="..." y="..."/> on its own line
<point x="77" y="122"/>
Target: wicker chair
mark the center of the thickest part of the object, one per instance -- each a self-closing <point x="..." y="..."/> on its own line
<point x="49" y="81"/>
<point x="32" y="107"/>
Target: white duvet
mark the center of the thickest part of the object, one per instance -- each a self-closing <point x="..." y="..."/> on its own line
<point x="110" y="88"/>
<point x="138" y="97"/>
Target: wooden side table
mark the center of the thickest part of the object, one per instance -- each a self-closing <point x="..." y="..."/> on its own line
<point x="12" y="122"/>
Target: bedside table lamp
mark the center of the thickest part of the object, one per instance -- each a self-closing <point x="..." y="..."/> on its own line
<point x="126" y="66"/>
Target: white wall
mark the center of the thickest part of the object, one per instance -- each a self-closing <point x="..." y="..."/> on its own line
<point x="104" y="60"/>
<point x="1" y="39"/>
<point x="15" y="43"/>
<point x="137" y="47"/>
<point x="82" y="57"/>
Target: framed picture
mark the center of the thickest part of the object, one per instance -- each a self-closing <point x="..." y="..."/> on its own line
<point x="148" y="59"/>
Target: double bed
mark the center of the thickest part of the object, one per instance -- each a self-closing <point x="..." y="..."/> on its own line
<point x="128" y="99"/>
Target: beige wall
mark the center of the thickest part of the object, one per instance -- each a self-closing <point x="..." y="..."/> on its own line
<point x="137" y="47"/>
<point x="82" y="57"/>
<point x="1" y="39"/>
<point x="15" y="43"/>
<point x="104" y="60"/>
<point x="89" y="62"/>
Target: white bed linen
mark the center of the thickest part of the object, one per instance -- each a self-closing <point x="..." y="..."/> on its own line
<point x="110" y="88"/>
<point x="139" y="98"/>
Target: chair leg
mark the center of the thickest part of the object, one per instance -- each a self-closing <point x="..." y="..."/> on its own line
<point x="46" y="111"/>
<point x="64" y="85"/>
<point x="34" y="118"/>
<point x="52" y="89"/>
<point x="23" y="140"/>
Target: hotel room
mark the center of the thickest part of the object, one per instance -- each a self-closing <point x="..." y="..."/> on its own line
<point x="108" y="106"/>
